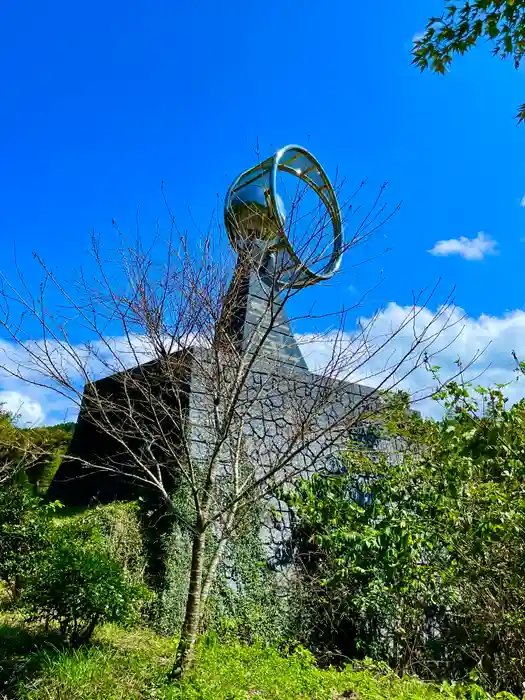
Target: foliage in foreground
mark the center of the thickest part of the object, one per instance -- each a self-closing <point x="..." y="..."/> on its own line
<point x="245" y="602"/>
<point x="133" y="665"/>
<point x="78" y="584"/>
<point x="74" y="572"/>
<point x="422" y="563"/>
<point x="24" y="534"/>
<point x="467" y="23"/>
<point x="120" y="530"/>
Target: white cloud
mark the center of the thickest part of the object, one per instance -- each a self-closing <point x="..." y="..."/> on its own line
<point x="522" y="203"/>
<point x="493" y="336"/>
<point x="497" y="336"/>
<point x="467" y="248"/>
<point x="28" y="411"/>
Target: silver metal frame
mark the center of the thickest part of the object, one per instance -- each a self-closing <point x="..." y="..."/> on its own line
<point x="266" y="172"/>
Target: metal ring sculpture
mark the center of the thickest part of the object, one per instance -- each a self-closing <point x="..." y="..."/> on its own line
<point x="254" y="210"/>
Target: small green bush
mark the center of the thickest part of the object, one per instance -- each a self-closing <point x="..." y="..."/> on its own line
<point x="24" y="533"/>
<point x="120" y="527"/>
<point x="73" y="572"/>
<point x="78" y="584"/>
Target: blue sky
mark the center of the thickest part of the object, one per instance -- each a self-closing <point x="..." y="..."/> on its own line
<point x="101" y="102"/>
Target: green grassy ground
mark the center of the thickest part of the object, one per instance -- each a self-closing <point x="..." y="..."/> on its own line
<point x="132" y="665"/>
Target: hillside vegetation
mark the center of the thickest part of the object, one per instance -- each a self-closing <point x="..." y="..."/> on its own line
<point x="417" y="565"/>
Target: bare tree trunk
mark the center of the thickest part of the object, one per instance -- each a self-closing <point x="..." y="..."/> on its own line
<point x="190" y="628"/>
<point x="209" y="578"/>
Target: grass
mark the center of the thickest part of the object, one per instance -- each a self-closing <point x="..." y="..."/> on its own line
<point x="132" y="665"/>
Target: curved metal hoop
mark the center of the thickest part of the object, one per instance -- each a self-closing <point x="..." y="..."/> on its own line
<point x="261" y="184"/>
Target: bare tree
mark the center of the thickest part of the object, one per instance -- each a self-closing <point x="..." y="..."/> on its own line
<point x="204" y="385"/>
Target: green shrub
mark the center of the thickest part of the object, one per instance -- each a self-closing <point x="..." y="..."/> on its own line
<point x="74" y="571"/>
<point x="24" y="534"/>
<point x="47" y="447"/>
<point x="120" y="527"/>
<point x="31" y="455"/>
<point x="420" y="563"/>
<point x="78" y="584"/>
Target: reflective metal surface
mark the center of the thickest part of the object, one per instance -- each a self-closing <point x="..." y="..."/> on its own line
<point x="254" y="212"/>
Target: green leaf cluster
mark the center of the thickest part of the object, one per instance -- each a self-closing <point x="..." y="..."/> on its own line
<point x="71" y="573"/>
<point x="77" y="585"/>
<point x="420" y="562"/>
<point x="24" y="534"/>
<point x="461" y="26"/>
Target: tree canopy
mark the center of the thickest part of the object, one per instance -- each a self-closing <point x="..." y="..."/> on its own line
<point x="462" y="26"/>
